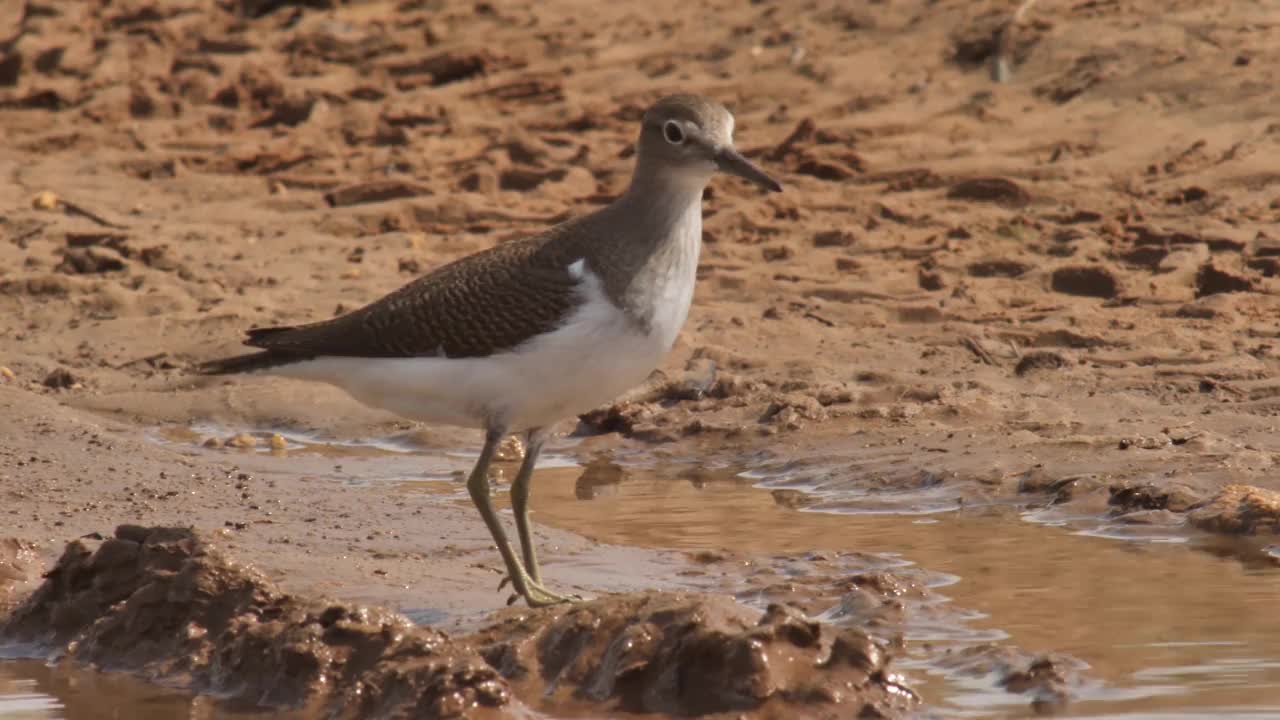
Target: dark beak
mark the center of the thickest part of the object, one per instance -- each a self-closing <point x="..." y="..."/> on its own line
<point x="732" y="162"/>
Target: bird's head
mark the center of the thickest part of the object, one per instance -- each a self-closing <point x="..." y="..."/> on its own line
<point x="692" y="136"/>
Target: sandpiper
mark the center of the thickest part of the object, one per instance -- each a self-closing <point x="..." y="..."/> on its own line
<point x="532" y="331"/>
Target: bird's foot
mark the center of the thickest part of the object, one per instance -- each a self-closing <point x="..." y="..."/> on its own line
<point x="537" y="595"/>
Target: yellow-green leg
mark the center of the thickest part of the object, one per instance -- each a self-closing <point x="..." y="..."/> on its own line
<point x="478" y="486"/>
<point x="520" y="501"/>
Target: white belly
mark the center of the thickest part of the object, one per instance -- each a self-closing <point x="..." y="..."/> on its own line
<point x="596" y="355"/>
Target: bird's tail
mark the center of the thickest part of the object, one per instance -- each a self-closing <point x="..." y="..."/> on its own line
<point x="250" y="362"/>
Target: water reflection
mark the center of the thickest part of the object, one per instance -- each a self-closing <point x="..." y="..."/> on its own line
<point x="36" y="690"/>
<point x="599" y="478"/>
<point x="1162" y="626"/>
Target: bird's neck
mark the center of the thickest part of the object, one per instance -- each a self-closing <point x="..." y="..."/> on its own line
<point x="661" y="204"/>
<point x="653" y="237"/>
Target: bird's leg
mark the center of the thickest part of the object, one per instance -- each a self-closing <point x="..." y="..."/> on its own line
<point x="520" y="501"/>
<point x="520" y="508"/>
<point x="478" y="486"/>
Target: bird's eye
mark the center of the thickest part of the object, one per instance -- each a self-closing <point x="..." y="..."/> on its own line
<point x="672" y="132"/>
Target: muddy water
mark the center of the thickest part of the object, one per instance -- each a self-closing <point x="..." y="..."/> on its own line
<point x="34" y="690"/>
<point x="1178" y="623"/>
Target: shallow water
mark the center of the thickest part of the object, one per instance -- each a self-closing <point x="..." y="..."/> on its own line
<point x="35" y="690"/>
<point x="1164" y="623"/>
<point x="1162" y="627"/>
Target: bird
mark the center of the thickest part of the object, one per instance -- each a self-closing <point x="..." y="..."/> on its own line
<point x="516" y="337"/>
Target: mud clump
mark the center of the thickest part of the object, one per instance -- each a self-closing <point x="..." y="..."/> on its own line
<point x="1239" y="509"/>
<point x="998" y="268"/>
<point x="1046" y="679"/>
<point x="1211" y="281"/>
<point x="60" y="379"/>
<point x="683" y="655"/>
<point x="1087" y="281"/>
<point x="1000" y="191"/>
<point x="18" y="567"/>
<point x="1234" y="510"/>
<point x="1149" y="496"/>
<point x="89" y="261"/>
<point x="1040" y="360"/>
<point x="164" y="603"/>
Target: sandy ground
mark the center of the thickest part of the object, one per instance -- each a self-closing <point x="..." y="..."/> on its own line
<point x="1064" y="285"/>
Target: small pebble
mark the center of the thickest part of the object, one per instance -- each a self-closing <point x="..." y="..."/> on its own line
<point x="278" y="442"/>
<point x="213" y="442"/>
<point x="243" y="440"/>
<point x="6" y="373"/>
<point x="45" y="200"/>
<point x="510" y="450"/>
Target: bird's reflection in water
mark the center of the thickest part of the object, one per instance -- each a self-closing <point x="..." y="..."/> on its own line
<point x="600" y="477"/>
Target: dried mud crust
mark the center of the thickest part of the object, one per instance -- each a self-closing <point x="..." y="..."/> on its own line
<point x="1088" y="251"/>
<point x="949" y="251"/>
<point x="165" y="603"/>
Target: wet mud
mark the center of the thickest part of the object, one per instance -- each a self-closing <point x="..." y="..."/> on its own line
<point x="166" y="604"/>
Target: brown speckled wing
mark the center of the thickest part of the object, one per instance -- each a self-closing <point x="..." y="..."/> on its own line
<point x="479" y="305"/>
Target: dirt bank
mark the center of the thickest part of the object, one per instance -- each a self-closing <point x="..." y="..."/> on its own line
<point x="1083" y="257"/>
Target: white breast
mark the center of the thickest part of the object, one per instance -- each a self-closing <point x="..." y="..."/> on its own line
<point x="673" y="287"/>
